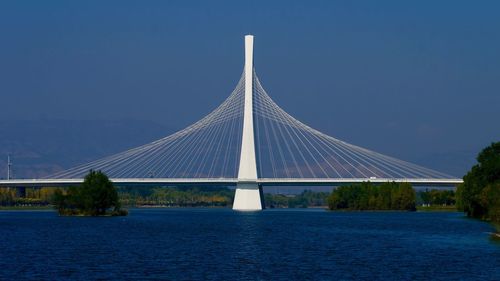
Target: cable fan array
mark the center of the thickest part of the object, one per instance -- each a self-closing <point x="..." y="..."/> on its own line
<point x="208" y="148"/>
<point x="285" y="148"/>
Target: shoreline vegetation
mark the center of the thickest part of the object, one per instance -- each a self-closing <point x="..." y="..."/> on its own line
<point x="97" y="196"/>
<point x="479" y="195"/>
<point x="367" y="196"/>
<point x="210" y="197"/>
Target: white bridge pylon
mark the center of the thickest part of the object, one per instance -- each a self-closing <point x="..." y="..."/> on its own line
<point x="247" y="196"/>
<point x="248" y="141"/>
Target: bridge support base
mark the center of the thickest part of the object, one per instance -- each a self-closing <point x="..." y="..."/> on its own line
<point x="248" y="197"/>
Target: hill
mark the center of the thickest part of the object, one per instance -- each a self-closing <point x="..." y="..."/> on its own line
<point x="39" y="148"/>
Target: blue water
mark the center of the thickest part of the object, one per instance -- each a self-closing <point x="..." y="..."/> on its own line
<point x="219" y="244"/>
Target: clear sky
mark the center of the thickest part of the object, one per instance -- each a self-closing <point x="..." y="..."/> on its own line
<point x="419" y="80"/>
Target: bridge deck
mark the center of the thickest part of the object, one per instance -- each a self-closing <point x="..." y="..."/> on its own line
<point x="228" y="181"/>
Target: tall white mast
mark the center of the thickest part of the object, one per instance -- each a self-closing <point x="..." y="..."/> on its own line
<point x="248" y="193"/>
<point x="248" y="167"/>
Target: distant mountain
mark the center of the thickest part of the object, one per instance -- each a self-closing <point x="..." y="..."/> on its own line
<point x="39" y="148"/>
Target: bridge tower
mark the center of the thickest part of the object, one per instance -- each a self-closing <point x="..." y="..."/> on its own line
<point x="248" y="192"/>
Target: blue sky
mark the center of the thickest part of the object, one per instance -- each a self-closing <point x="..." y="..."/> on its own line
<point x="419" y="80"/>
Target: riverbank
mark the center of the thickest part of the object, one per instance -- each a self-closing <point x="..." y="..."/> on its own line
<point x="496" y="235"/>
<point x="13" y="208"/>
<point x="419" y="209"/>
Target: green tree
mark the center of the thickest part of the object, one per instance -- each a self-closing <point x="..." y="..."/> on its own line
<point x="98" y="194"/>
<point x="407" y="197"/>
<point x="366" y="196"/>
<point x="490" y="198"/>
<point x="59" y="201"/>
<point x="479" y="196"/>
<point x="94" y="197"/>
<point x="437" y="197"/>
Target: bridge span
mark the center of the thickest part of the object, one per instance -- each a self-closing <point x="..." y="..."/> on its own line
<point x="228" y="182"/>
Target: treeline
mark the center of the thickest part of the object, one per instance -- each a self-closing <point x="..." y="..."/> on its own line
<point x="436" y="197"/>
<point x="367" y="196"/>
<point x="128" y="196"/>
<point x="305" y="199"/>
<point x="479" y="195"/>
<point x="32" y="197"/>
<point x="176" y="197"/>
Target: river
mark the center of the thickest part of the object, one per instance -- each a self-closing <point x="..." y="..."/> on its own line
<point x="220" y="244"/>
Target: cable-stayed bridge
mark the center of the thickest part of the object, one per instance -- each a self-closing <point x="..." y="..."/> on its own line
<point x="248" y="141"/>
